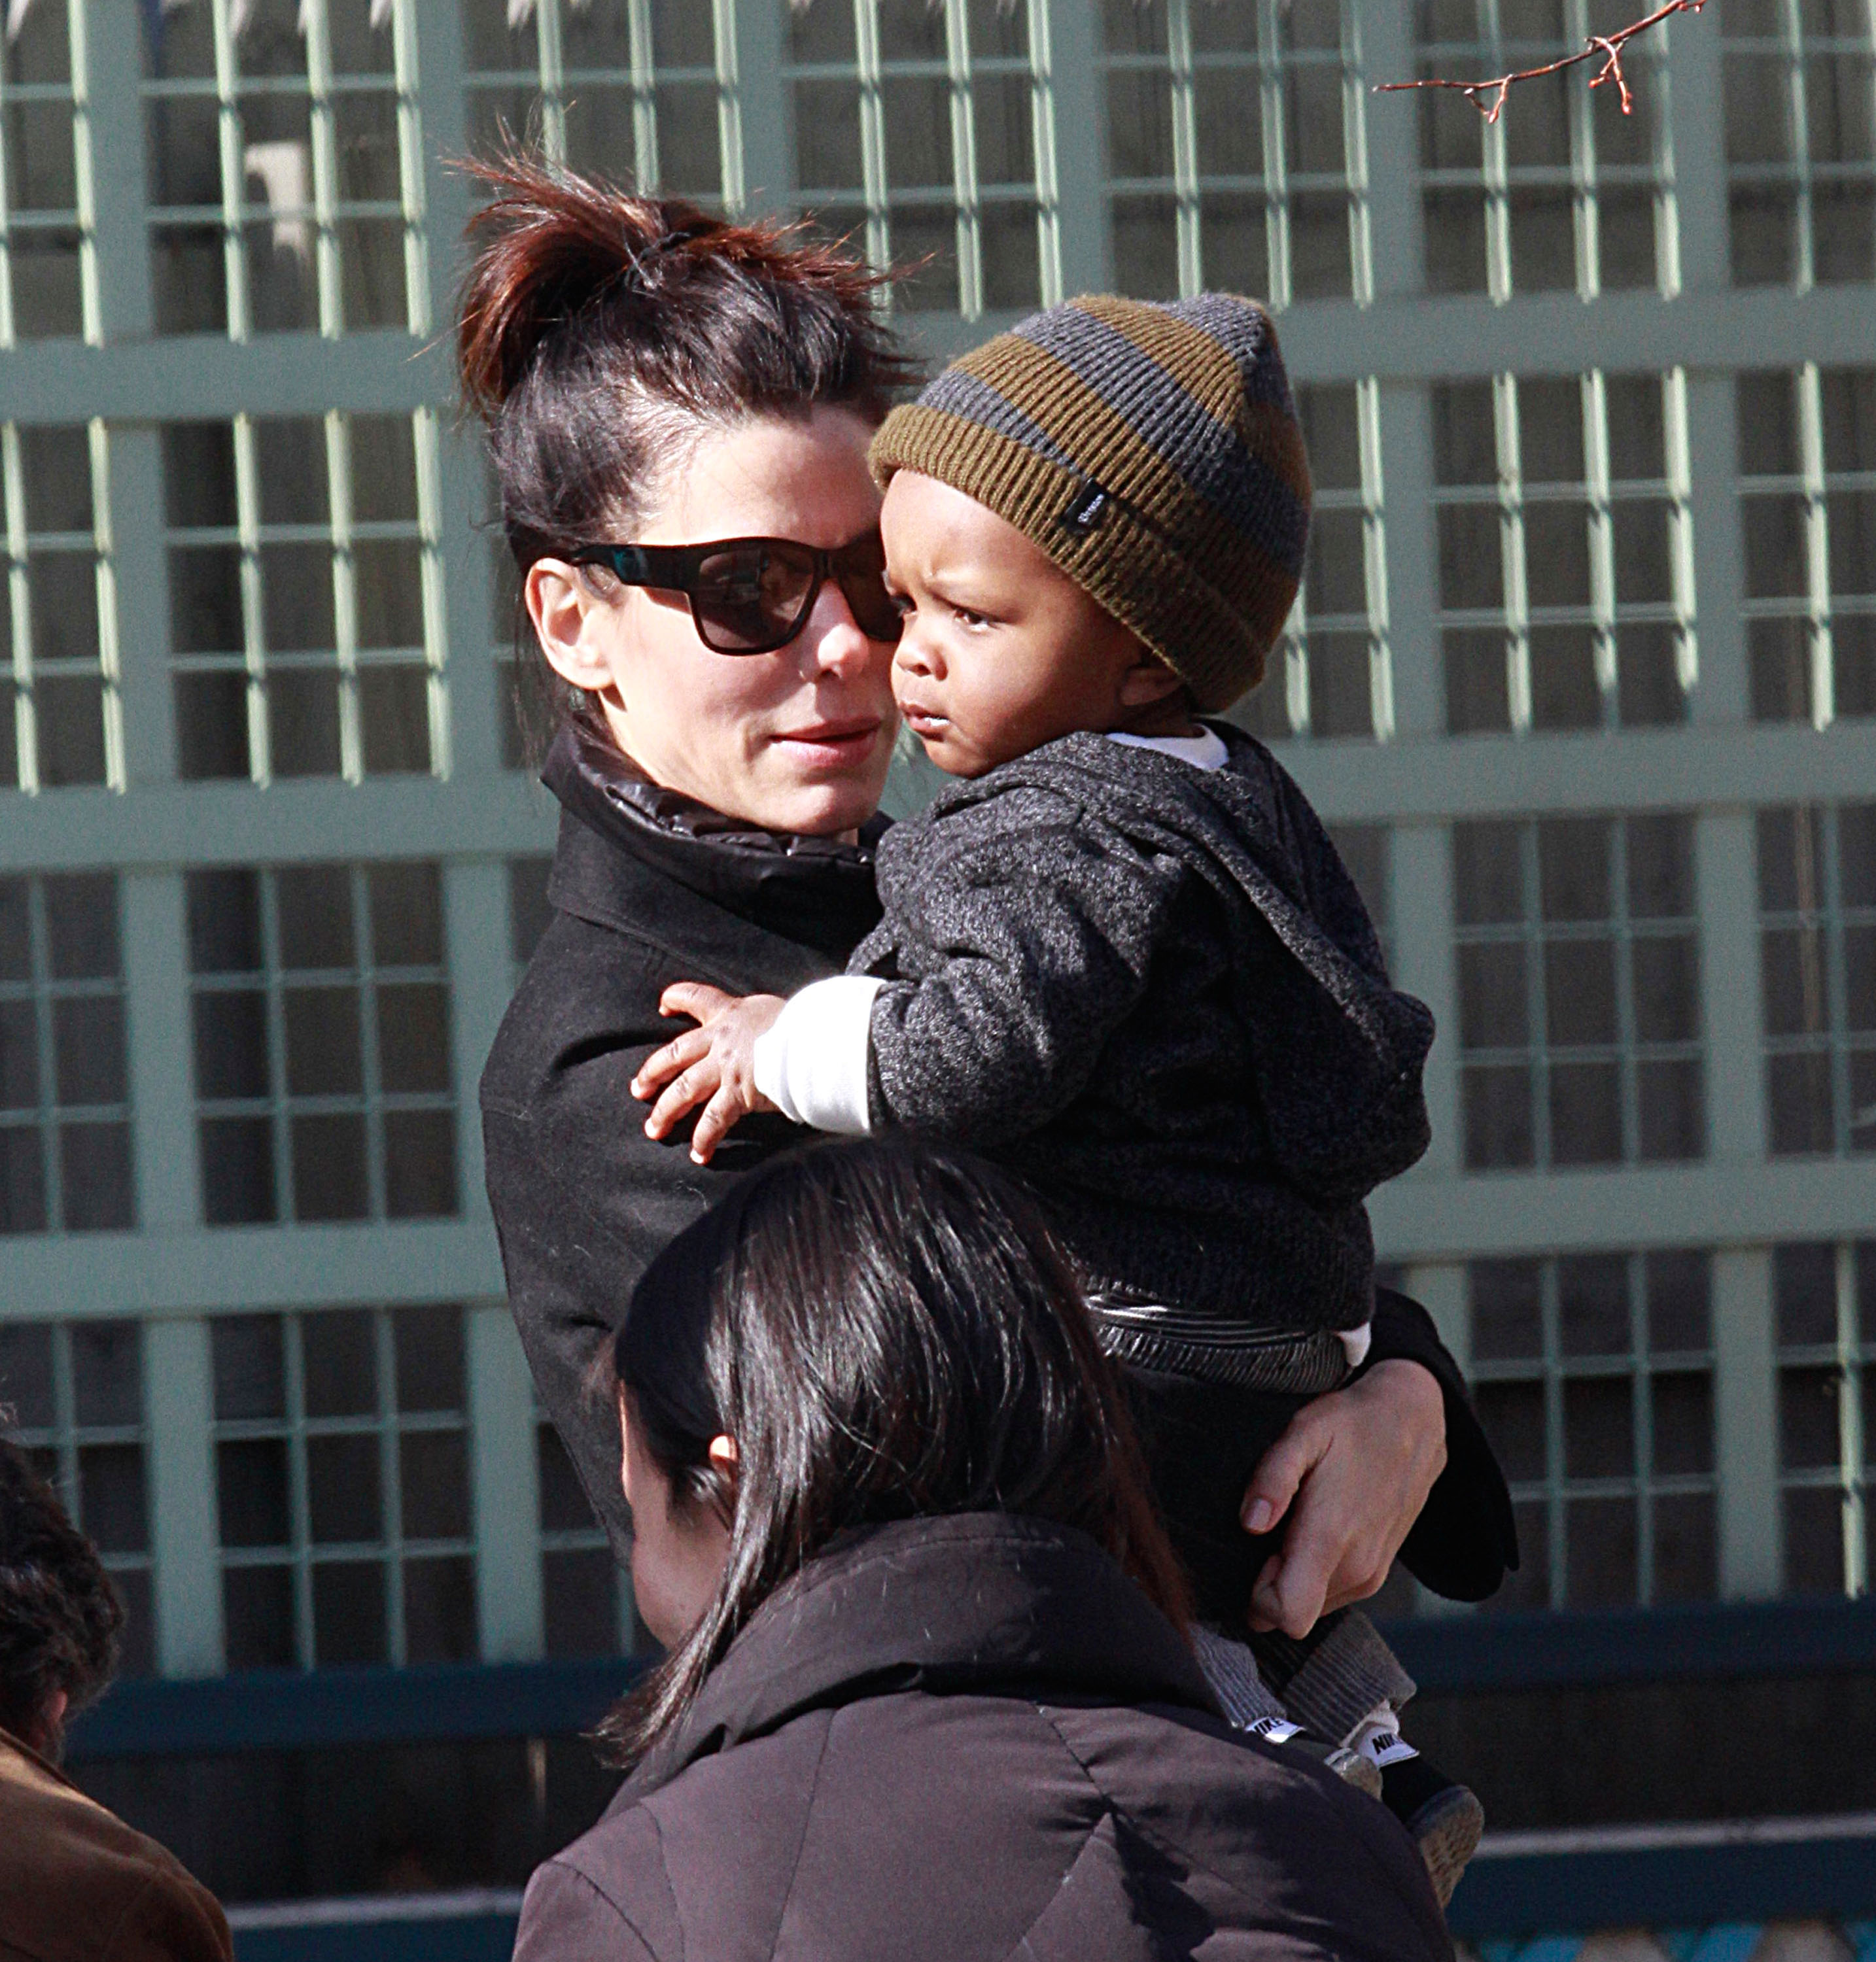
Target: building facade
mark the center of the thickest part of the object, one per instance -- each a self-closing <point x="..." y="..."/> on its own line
<point x="1582" y="676"/>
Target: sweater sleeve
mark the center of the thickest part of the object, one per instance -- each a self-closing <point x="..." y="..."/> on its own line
<point x="1029" y="947"/>
<point x="1466" y="1539"/>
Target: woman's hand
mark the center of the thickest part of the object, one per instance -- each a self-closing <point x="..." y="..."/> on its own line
<point x="1353" y="1471"/>
<point x="713" y="1064"/>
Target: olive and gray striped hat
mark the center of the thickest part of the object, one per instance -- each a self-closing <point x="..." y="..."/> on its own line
<point x="1152" y="451"/>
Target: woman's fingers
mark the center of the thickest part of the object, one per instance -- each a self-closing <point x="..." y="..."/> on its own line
<point x="1280" y="1470"/>
<point x="1368" y="1454"/>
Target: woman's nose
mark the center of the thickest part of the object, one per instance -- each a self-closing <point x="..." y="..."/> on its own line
<point x="833" y="637"/>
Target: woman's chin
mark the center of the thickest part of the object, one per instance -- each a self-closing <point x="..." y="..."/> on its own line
<point x="822" y="802"/>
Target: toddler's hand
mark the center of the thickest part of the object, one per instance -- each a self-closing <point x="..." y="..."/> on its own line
<point x="713" y="1064"/>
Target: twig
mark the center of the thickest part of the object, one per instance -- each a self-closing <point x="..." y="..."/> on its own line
<point x="1609" y="46"/>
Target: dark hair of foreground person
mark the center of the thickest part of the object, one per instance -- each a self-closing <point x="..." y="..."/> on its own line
<point x="76" y="1884"/>
<point x="60" y="1618"/>
<point x="830" y="1316"/>
<point x="941" y="1705"/>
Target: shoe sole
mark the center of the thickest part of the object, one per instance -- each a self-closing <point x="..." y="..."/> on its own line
<point x="1447" y="1829"/>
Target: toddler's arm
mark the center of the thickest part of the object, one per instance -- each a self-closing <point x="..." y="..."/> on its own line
<point x="1009" y="964"/>
<point x="713" y="1064"/>
<point x="1031" y="950"/>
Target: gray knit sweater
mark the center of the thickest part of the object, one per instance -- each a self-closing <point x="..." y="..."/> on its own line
<point x="1153" y="993"/>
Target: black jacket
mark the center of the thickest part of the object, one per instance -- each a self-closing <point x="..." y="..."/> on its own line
<point x="975" y="1738"/>
<point x="649" y="889"/>
<point x="1153" y="993"/>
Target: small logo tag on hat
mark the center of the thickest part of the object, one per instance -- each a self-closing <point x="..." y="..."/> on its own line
<point x="1089" y="507"/>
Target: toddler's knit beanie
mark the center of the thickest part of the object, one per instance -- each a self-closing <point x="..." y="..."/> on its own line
<point x="1152" y="451"/>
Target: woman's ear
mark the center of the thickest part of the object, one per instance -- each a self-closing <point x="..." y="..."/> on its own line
<point x="568" y="615"/>
<point x="1148" y="681"/>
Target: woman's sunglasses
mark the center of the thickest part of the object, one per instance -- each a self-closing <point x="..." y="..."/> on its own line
<point x="752" y="595"/>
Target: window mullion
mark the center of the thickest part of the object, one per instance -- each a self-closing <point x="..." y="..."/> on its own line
<point x="1374" y="556"/>
<point x="1495" y="171"/>
<point x="254" y="647"/>
<point x="371" y="1082"/>
<point x="1511" y="548"/>
<point x="20" y="609"/>
<point x="299" y="1497"/>
<point x="390" y="1501"/>
<point x="1276" y="174"/>
<point x="1850" y="1439"/>
<point x="1811" y="432"/>
<point x="83" y="179"/>
<point x="1556" y="1468"/>
<point x="645" y="95"/>
<point x="1185" y="149"/>
<point x="969" y="226"/>
<point x="410" y="166"/>
<point x="1536" y="1010"/>
<point x="1585" y="216"/>
<point x="1042" y="141"/>
<point x="1642" y="1391"/>
<point x="104" y="578"/>
<point x="553" y="73"/>
<point x="272" y="981"/>
<point x="1355" y="164"/>
<point x="1805" y="252"/>
<point x="338" y="436"/>
<point x="234" y="169"/>
<point x="1601" y="541"/>
<point x="46" y="1039"/>
<point x="866" y="36"/>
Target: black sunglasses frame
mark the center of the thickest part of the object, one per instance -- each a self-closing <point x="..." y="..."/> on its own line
<point x="677" y="568"/>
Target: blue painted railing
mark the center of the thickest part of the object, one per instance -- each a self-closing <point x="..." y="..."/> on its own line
<point x="291" y="1709"/>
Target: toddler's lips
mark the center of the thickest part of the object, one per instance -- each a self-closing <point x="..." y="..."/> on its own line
<point x="923" y="721"/>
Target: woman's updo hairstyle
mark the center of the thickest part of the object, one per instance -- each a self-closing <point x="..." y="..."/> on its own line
<point x="598" y="331"/>
<point x="889" y="1331"/>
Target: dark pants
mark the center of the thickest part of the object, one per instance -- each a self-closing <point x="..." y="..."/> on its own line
<point x="1202" y="1442"/>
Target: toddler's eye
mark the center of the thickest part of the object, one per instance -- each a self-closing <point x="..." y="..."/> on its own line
<point x="967" y="618"/>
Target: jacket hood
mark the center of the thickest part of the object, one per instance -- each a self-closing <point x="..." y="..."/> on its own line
<point x="814" y="888"/>
<point x="1250" y="832"/>
<point x="981" y="1601"/>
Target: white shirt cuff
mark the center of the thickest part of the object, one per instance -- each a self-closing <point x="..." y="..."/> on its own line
<point x="812" y="1065"/>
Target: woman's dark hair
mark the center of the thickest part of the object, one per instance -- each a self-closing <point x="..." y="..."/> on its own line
<point x="888" y="1332"/>
<point x="59" y="1617"/>
<point x="597" y="329"/>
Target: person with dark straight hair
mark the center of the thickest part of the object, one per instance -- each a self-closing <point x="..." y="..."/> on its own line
<point x="678" y="409"/>
<point x="74" y="1880"/>
<point x="929" y="1690"/>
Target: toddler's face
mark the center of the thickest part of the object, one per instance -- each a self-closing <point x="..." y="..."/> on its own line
<point x="1001" y="650"/>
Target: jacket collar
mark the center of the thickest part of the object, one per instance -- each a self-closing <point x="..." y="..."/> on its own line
<point x="986" y="1601"/>
<point x="815" y="890"/>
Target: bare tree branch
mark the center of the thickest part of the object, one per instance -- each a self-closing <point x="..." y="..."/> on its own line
<point x="1608" y="46"/>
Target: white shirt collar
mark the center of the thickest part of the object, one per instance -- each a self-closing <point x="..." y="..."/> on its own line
<point x="1205" y="751"/>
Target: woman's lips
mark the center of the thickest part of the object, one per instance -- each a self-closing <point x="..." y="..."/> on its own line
<point x="830" y="742"/>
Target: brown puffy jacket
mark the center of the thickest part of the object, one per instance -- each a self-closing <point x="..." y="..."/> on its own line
<point x="78" y="1885"/>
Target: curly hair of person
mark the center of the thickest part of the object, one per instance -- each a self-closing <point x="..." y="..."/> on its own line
<point x="60" y="1618"/>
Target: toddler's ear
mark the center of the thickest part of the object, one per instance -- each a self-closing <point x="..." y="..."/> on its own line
<point x="1149" y="681"/>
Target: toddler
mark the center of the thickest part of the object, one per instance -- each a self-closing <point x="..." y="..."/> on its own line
<point x="1119" y="954"/>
